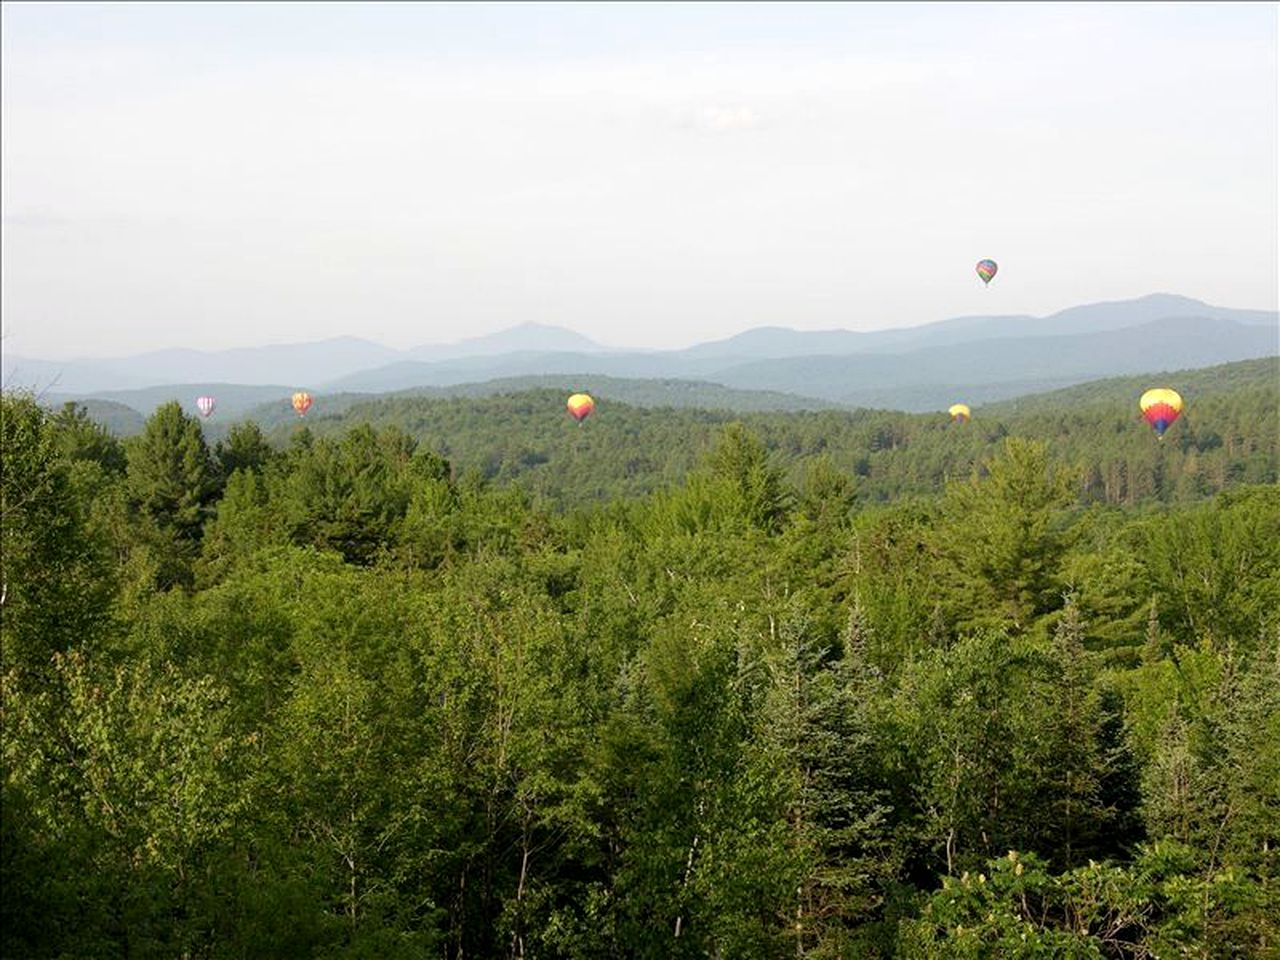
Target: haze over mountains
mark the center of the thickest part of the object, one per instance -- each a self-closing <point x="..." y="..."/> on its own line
<point x="980" y="359"/>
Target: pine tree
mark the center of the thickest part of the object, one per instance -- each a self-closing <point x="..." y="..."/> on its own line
<point x="1003" y="538"/>
<point x="1073" y="764"/>
<point x="742" y="461"/>
<point x="245" y="448"/>
<point x="171" y="485"/>
<point x="78" y="437"/>
<point x="171" y="477"/>
<point x="814" y="745"/>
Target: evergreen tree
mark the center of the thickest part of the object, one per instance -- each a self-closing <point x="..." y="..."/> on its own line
<point x="243" y="524"/>
<point x="351" y="495"/>
<point x="741" y="460"/>
<point x="817" y="731"/>
<point x="78" y="437"/>
<point x="244" y="448"/>
<point x="171" y="485"/>
<point x="171" y="477"/>
<point x="1003" y="537"/>
<point x="1073" y="760"/>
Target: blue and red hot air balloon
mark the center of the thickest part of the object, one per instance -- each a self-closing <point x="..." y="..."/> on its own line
<point x="1160" y="407"/>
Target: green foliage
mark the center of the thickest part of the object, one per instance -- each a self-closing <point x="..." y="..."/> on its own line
<point x="244" y="448"/>
<point x="1229" y="436"/>
<point x="53" y="586"/>
<point x="969" y="731"/>
<point x="817" y="743"/>
<point x="244" y="523"/>
<point x="1216" y="573"/>
<point x="140" y="787"/>
<point x="1001" y="539"/>
<point x="171" y="485"/>
<point x="1153" y="907"/>
<point x="80" y="437"/>
<point x="351" y="495"/>
<point x="741" y="462"/>
<point x="171" y="473"/>
<point x="739" y="706"/>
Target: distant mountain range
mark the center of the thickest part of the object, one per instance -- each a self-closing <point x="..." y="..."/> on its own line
<point x="312" y="365"/>
<point x="977" y="359"/>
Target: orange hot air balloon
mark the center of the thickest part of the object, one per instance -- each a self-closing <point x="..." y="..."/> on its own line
<point x="580" y="406"/>
<point x="302" y="402"/>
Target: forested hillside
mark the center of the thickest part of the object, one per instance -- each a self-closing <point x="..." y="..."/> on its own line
<point x="270" y="406"/>
<point x="680" y="394"/>
<point x="1229" y="434"/>
<point x="820" y="685"/>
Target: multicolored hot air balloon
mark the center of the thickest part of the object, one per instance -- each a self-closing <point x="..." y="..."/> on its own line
<point x="302" y="402"/>
<point x="580" y="406"/>
<point x="986" y="270"/>
<point x="1160" y="406"/>
<point x="959" y="413"/>
<point x="205" y="405"/>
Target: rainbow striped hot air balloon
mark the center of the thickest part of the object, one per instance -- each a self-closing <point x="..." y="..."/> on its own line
<point x="1160" y="407"/>
<point x="580" y="406"/>
<point x="301" y="402"/>
<point x="986" y="270"/>
<point x="959" y="413"/>
<point x="205" y="405"/>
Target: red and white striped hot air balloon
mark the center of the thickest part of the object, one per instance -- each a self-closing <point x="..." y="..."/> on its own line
<point x="205" y="405"/>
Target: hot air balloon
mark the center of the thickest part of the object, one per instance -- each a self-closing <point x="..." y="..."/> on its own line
<point x="986" y="270"/>
<point x="1160" y="406"/>
<point x="959" y="413"/>
<point x="580" y="406"/>
<point x="302" y="402"/>
<point x="205" y="405"/>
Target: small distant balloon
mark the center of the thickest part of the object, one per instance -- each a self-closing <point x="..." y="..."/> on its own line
<point x="580" y="406"/>
<point x="302" y="402"/>
<point x="959" y="413"/>
<point x="986" y="270"/>
<point x="205" y="405"/>
<point x="1160" y="407"/>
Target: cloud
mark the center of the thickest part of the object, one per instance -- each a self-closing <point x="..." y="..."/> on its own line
<point x="724" y="119"/>
<point x="34" y="219"/>
<point x="162" y="194"/>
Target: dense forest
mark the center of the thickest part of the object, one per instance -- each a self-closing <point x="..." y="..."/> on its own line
<point x="1230" y="434"/>
<point x="458" y="678"/>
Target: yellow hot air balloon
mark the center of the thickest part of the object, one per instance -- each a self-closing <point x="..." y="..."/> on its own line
<point x="580" y="406"/>
<point x="302" y="402"/>
<point x="959" y="413"/>
<point x="1160" y="407"/>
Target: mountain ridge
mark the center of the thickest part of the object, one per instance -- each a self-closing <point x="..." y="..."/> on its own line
<point x="531" y="349"/>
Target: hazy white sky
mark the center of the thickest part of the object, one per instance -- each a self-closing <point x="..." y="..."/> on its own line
<point x="214" y="175"/>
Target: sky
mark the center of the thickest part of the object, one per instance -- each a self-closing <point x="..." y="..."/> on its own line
<point x="651" y="174"/>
